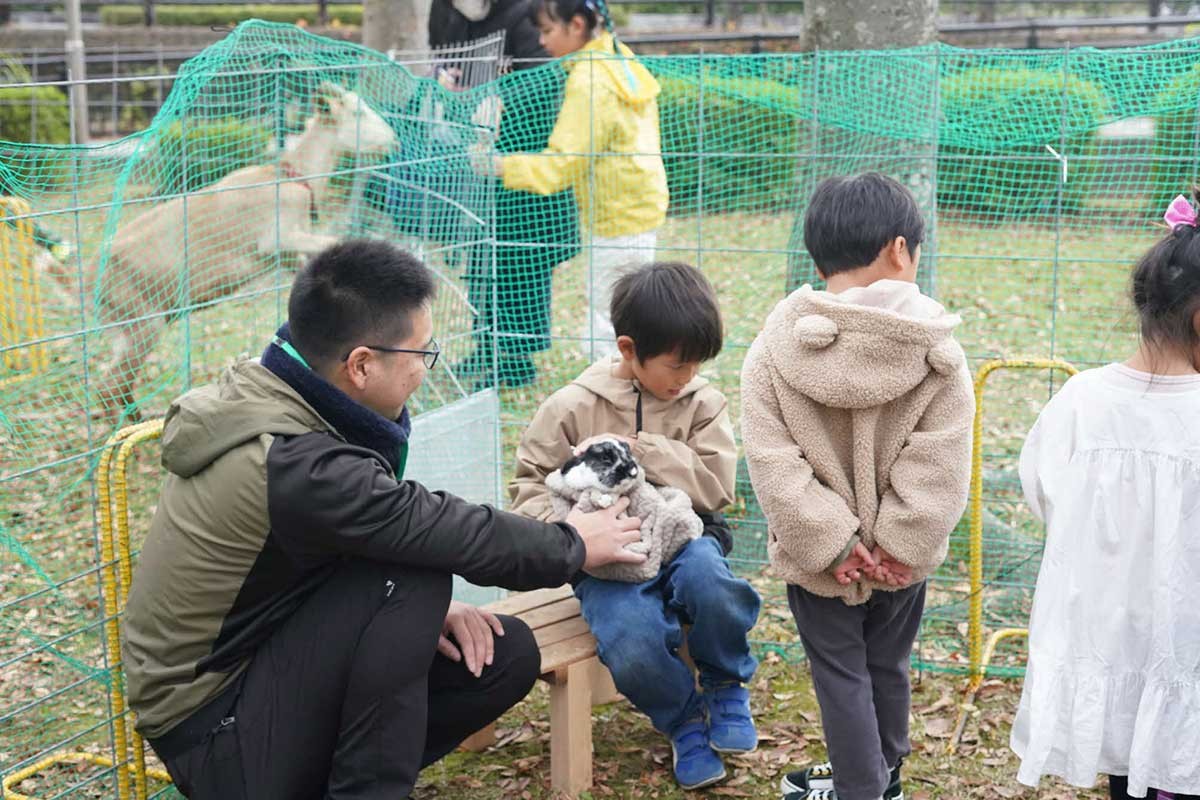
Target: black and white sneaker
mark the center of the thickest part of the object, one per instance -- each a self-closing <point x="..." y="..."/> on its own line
<point x="831" y="794"/>
<point x="818" y="776"/>
<point x="812" y="794"/>
<point x="803" y="784"/>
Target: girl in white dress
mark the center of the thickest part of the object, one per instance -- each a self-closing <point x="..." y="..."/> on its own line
<point x="1113" y="468"/>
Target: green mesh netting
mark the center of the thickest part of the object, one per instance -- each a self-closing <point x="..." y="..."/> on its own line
<point x="1041" y="174"/>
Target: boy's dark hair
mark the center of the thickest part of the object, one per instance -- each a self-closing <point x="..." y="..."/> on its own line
<point x="359" y="291"/>
<point x="1166" y="292"/>
<point x="594" y="12"/>
<point x="666" y="306"/>
<point x="851" y="219"/>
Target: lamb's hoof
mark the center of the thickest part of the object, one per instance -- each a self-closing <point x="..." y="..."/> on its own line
<point x="604" y="500"/>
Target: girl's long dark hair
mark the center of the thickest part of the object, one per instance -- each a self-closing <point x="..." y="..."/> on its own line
<point x="1166" y="292"/>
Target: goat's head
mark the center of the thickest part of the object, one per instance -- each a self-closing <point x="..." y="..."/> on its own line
<point x="357" y="126"/>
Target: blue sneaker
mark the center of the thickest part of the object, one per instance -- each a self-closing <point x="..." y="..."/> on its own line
<point x="694" y="762"/>
<point x="730" y="727"/>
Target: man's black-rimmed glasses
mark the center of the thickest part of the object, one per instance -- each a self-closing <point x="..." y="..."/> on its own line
<point x="430" y="356"/>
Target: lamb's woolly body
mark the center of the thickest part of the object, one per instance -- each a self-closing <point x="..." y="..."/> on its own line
<point x="668" y="520"/>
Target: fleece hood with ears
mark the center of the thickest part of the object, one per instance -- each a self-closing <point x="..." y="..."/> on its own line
<point x="605" y="144"/>
<point x="854" y="356"/>
<point x="856" y="421"/>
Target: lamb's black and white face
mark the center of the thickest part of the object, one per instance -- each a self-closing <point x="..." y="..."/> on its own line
<point x="607" y="464"/>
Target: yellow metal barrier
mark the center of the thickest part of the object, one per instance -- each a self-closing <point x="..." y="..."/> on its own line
<point x="116" y="574"/>
<point x="146" y="431"/>
<point x="20" y="293"/>
<point x="63" y="758"/>
<point x="979" y="655"/>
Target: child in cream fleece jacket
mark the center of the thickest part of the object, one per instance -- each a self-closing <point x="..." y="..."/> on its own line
<point x="856" y="421"/>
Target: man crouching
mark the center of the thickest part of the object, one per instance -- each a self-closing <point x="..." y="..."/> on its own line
<point x="289" y="631"/>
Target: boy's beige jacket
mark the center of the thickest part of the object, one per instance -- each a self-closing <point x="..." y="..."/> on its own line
<point x="686" y="442"/>
<point x="856" y="421"/>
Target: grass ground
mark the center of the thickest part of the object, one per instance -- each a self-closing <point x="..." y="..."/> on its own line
<point x="1021" y="289"/>
<point x="1013" y="301"/>
<point x="634" y="761"/>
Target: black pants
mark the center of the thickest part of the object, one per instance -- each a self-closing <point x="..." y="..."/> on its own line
<point x="1118" y="789"/>
<point x="349" y="698"/>
<point x="859" y="657"/>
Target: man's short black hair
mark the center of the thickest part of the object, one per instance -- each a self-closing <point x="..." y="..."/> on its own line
<point x="356" y="292"/>
<point x="851" y="219"/>
<point x="666" y="306"/>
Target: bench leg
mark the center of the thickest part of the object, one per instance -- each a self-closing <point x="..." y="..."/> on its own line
<point x="571" y="728"/>
<point x="480" y="740"/>
<point x="603" y="689"/>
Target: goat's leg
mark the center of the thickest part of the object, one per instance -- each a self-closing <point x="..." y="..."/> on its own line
<point x="134" y="343"/>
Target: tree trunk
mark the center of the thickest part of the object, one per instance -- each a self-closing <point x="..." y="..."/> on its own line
<point x="396" y="25"/>
<point x="868" y="24"/>
<point x="897" y="88"/>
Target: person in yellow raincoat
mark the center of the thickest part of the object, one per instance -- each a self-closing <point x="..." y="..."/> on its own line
<point x="605" y="146"/>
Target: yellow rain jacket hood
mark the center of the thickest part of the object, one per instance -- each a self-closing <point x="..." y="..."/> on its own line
<point x="605" y="144"/>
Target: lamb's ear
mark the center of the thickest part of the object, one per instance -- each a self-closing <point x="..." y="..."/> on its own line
<point x="571" y="463"/>
<point x="625" y="446"/>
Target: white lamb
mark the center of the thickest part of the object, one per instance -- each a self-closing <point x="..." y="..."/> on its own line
<point x="606" y="471"/>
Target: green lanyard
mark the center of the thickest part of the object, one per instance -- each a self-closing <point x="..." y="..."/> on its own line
<point x="401" y="461"/>
<point x="291" y="351"/>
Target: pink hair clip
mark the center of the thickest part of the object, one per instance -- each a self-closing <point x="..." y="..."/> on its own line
<point x="1180" y="212"/>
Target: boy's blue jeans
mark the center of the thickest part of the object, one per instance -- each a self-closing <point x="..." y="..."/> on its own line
<point x="638" y="630"/>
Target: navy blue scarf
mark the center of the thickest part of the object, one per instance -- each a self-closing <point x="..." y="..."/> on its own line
<point x="356" y="423"/>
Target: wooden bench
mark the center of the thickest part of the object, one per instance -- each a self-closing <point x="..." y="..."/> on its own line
<point x="577" y="682"/>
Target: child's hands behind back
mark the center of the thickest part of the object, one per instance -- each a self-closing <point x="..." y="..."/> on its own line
<point x="856" y="564"/>
<point x="888" y="570"/>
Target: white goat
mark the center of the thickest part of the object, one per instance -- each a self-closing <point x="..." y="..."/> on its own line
<point x="204" y="246"/>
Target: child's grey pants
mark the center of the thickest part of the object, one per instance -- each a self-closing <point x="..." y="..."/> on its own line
<point x="859" y="656"/>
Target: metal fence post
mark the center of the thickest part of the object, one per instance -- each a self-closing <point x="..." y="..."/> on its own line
<point x="77" y="73"/>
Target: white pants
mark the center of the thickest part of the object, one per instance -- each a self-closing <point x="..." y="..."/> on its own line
<point x="607" y="259"/>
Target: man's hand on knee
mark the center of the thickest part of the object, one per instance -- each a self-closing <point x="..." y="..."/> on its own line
<point x="472" y="628"/>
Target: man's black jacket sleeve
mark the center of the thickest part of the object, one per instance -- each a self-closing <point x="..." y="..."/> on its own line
<point x="327" y="497"/>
